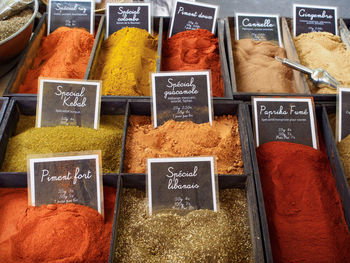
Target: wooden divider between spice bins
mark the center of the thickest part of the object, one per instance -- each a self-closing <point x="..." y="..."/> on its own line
<point x="219" y="33"/>
<point x="334" y="157"/>
<point x="27" y="106"/>
<point x="3" y="106"/>
<point x="31" y="51"/>
<point x="299" y="79"/>
<point x="134" y="180"/>
<point x="335" y="163"/>
<point x="344" y="34"/>
<point x="90" y="72"/>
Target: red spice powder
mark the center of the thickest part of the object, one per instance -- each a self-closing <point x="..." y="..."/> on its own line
<point x="64" y="53"/>
<point x="194" y="50"/>
<point x="53" y="233"/>
<point x="304" y="211"/>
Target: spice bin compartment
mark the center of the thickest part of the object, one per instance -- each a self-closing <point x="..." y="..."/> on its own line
<point x="224" y="66"/>
<point x="143" y="107"/>
<point x="31" y="51"/>
<point x="299" y="79"/>
<point x="326" y="137"/>
<point x="344" y="34"/>
<point x="19" y="180"/>
<point x="90" y="72"/>
<point x="241" y="182"/>
<point x="27" y="106"/>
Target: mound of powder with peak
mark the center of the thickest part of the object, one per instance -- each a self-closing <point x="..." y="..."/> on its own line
<point x="184" y="139"/>
<point x="194" y="50"/>
<point x="127" y="58"/>
<point x="64" y="53"/>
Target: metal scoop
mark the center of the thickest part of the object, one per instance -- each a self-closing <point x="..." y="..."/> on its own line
<point x="318" y="76"/>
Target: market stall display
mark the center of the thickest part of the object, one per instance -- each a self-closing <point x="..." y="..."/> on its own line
<point x="276" y="202"/>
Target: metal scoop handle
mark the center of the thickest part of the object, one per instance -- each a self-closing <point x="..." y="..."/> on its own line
<point x="294" y="65"/>
<point x="318" y="76"/>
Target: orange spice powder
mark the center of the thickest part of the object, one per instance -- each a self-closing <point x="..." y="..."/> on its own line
<point x="53" y="233"/>
<point x="64" y="53"/>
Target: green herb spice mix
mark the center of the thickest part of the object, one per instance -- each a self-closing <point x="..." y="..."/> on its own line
<point x="199" y="236"/>
<point x="30" y="140"/>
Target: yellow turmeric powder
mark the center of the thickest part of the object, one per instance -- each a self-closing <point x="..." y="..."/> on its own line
<point x="127" y="58"/>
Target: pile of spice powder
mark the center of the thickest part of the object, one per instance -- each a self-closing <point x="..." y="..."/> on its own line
<point x="64" y="53"/>
<point x="53" y="233"/>
<point x="326" y="51"/>
<point x="199" y="236"/>
<point x="194" y="50"/>
<point x="184" y="139"/>
<point x="303" y="208"/>
<point x="127" y="58"/>
<point x="30" y="140"/>
<point x="10" y="26"/>
<point x="257" y="70"/>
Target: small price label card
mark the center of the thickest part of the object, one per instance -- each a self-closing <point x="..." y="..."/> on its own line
<point x="122" y="15"/>
<point x="258" y="27"/>
<point x="64" y="178"/>
<point x="71" y="13"/>
<point x="182" y="184"/>
<point x="314" y="18"/>
<point x="343" y="113"/>
<point x="181" y="96"/>
<point x="68" y="102"/>
<point x="192" y="15"/>
<point x="284" y="119"/>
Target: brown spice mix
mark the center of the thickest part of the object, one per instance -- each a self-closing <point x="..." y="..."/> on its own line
<point x="184" y="139"/>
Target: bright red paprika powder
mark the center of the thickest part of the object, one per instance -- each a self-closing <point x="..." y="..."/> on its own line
<point x="303" y="208"/>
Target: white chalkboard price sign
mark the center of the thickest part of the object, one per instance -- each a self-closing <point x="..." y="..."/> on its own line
<point x="66" y="178"/>
<point x="259" y="27"/>
<point x="68" y="103"/>
<point x="314" y="18"/>
<point x="192" y="15"/>
<point x="181" y="184"/>
<point x="73" y="13"/>
<point x="284" y="119"/>
<point x="128" y="15"/>
<point x="343" y="113"/>
<point x="181" y="96"/>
